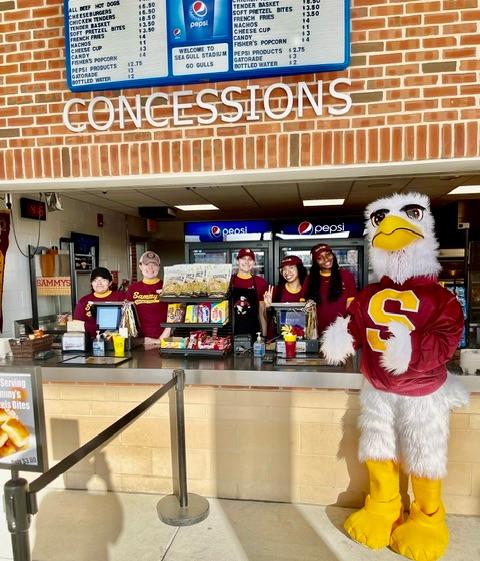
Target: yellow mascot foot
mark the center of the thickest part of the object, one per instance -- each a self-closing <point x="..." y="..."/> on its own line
<point x="373" y="524"/>
<point x="423" y="537"/>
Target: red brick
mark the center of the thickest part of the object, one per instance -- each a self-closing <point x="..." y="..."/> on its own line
<point x="338" y="143"/>
<point x="446" y="141"/>
<point x="472" y="139"/>
<point x="207" y="155"/>
<point x="176" y="159"/>
<point x="166" y="162"/>
<point x="421" y="144"/>
<point x="239" y="147"/>
<point x="433" y="141"/>
<point x="459" y="140"/>
<point x="372" y="145"/>
<point x="272" y="161"/>
<point x="228" y="154"/>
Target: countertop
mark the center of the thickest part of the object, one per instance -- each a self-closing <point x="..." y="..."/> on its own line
<point x="149" y="367"/>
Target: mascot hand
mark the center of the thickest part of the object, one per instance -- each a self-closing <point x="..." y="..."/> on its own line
<point x="336" y="341"/>
<point x="396" y="357"/>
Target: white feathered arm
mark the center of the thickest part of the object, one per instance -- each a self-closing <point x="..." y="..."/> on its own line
<point x="337" y="344"/>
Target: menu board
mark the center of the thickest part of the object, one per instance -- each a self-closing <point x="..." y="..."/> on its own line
<point x="124" y="43"/>
<point x="22" y="421"/>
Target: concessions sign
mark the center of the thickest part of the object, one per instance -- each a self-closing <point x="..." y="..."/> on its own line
<point x="115" y="44"/>
<point x="22" y="420"/>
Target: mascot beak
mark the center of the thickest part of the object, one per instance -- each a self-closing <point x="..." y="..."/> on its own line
<point x="395" y="233"/>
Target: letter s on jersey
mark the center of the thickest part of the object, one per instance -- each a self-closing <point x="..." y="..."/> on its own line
<point x="376" y="310"/>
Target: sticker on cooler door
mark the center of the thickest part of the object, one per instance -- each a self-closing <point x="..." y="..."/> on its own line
<point x="200" y="59"/>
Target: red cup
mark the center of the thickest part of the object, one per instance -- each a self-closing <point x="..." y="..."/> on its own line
<point x="290" y="349"/>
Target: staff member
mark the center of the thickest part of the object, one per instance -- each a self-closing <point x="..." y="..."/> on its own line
<point x="292" y="285"/>
<point x="330" y="287"/>
<point x="101" y="282"/>
<point x="146" y="296"/>
<point x="247" y="290"/>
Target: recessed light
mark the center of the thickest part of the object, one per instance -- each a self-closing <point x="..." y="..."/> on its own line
<point x="323" y="202"/>
<point x="188" y="208"/>
<point x="465" y="190"/>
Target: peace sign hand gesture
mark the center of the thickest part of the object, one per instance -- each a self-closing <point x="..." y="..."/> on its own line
<point x="268" y="296"/>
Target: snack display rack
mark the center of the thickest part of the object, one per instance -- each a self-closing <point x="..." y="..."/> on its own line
<point x="187" y="327"/>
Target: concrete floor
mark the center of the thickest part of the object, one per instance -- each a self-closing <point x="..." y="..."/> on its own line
<point x="96" y="526"/>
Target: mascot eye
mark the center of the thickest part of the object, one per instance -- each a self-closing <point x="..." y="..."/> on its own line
<point x="377" y="216"/>
<point x="414" y="212"/>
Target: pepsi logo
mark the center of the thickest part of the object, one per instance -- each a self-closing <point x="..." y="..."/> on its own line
<point x="305" y="228"/>
<point x="199" y="9"/>
<point x="176" y="32"/>
<point x="215" y="231"/>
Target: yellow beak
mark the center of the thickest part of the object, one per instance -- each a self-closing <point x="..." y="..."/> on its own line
<point x="395" y="233"/>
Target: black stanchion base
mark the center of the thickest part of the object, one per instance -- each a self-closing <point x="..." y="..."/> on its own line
<point x="170" y="511"/>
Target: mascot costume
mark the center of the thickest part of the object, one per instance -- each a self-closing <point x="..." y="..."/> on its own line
<point x="408" y="327"/>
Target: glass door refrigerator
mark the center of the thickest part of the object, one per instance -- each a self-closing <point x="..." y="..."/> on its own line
<point x="346" y="240"/>
<point x="452" y="277"/>
<point x="220" y="242"/>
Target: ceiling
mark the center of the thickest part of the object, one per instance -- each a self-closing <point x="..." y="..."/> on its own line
<point x="275" y="199"/>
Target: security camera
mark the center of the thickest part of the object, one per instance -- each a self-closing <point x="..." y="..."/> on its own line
<point x="8" y="200"/>
<point x="463" y="225"/>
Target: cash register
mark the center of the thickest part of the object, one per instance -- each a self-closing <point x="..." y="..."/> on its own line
<point x="109" y="317"/>
<point x="293" y="314"/>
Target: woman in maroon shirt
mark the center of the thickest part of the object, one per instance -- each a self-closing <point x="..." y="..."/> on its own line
<point x="291" y="287"/>
<point x="330" y="287"/>
<point x="292" y="284"/>
<point x="101" y="282"/>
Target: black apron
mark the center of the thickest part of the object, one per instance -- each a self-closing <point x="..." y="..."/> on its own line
<point x="245" y="311"/>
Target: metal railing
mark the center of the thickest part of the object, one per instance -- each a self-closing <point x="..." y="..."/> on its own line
<point x="179" y="509"/>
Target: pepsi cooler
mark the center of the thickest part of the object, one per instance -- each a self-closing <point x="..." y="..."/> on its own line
<point x="345" y="238"/>
<point x="220" y="242"/>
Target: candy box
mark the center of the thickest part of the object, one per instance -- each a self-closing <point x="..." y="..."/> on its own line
<point x="219" y="312"/>
<point x="203" y="313"/>
<point x="175" y="313"/>
<point x="191" y="314"/>
<point x="173" y="343"/>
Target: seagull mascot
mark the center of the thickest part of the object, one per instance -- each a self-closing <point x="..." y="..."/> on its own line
<point x="408" y="327"/>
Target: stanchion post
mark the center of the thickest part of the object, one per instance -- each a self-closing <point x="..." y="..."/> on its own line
<point x="186" y="508"/>
<point x="18" y="515"/>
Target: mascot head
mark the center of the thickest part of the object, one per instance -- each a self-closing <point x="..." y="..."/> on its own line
<point x="401" y="237"/>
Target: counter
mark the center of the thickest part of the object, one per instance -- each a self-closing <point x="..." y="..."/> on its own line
<point x="254" y="431"/>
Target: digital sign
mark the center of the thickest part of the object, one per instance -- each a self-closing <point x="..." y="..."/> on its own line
<point x="123" y="44"/>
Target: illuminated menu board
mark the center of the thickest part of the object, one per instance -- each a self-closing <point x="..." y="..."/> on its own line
<point x="134" y="43"/>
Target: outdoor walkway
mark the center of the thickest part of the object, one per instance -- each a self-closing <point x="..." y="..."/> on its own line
<point x="94" y="526"/>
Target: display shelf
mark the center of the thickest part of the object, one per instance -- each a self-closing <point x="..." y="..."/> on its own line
<point x="194" y="325"/>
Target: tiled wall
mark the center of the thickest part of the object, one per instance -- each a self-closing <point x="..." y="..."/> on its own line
<point x="296" y="446"/>
<point x="77" y="216"/>
<point x="414" y="85"/>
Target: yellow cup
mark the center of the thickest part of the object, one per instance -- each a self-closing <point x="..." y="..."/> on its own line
<point x="118" y="345"/>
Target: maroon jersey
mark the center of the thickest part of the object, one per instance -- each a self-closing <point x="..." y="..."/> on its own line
<point x="83" y="310"/>
<point x="435" y="320"/>
<point x="151" y="312"/>
<point x="259" y="283"/>
<point x="327" y="311"/>
<point x="282" y="294"/>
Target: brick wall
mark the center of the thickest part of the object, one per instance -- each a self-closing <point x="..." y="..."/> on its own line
<point x="414" y="85"/>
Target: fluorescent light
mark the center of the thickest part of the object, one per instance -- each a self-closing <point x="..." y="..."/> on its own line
<point x="465" y="190"/>
<point x="196" y="207"/>
<point x="323" y="202"/>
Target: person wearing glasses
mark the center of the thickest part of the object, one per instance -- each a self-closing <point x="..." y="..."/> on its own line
<point x="331" y="288"/>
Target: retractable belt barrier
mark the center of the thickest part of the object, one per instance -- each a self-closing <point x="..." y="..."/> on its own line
<point x="179" y="509"/>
